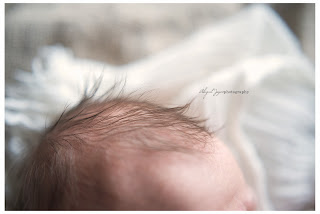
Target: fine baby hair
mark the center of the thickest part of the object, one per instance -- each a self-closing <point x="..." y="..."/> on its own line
<point x="63" y="170"/>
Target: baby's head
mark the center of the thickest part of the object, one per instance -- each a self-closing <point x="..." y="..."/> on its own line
<point x="122" y="154"/>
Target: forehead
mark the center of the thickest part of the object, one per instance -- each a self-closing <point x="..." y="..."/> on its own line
<point x="165" y="180"/>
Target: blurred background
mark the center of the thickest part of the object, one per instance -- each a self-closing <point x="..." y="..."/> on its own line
<point x="122" y="33"/>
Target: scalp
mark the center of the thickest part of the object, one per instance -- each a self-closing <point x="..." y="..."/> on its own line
<point x="71" y="150"/>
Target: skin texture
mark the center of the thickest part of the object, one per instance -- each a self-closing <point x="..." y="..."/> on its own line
<point x="132" y="155"/>
<point x="144" y="180"/>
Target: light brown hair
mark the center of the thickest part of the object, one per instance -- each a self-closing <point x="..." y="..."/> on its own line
<point x="51" y="177"/>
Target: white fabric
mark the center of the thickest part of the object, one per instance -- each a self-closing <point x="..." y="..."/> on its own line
<point x="270" y="130"/>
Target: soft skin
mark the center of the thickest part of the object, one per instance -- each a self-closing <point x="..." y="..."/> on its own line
<point x="144" y="180"/>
